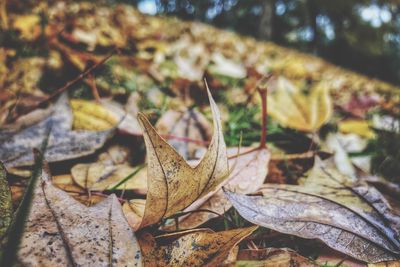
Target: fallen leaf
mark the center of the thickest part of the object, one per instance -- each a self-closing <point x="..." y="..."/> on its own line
<point x="63" y="143"/>
<point x="190" y="124"/>
<point x="60" y="230"/>
<point x="292" y="108"/>
<point x="353" y="219"/>
<point x="128" y="122"/>
<point x="6" y="209"/>
<point x="226" y="67"/>
<point x="193" y="248"/>
<point x="28" y="26"/>
<point x="360" y="127"/>
<point x="248" y="175"/>
<point x="172" y="183"/>
<point x="111" y="171"/>
<point x="271" y="257"/>
<point x="100" y="176"/>
<point x="91" y="116"/>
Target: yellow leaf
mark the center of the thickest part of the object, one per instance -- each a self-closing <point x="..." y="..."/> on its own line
<point x="294" y="109"/>
<point x="172" y="183"/>
<point x="359" y="127"/>
<point x="28" y="25"/>
<point x="89" y="115"/>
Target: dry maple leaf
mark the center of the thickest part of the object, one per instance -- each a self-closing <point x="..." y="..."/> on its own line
<point x="354" y="219"/>
<point x="200" y="247"/>
<point x="61" y="231"/>
<point x="294" y="109"/>
<point x="247" y="176"/>
<point x="63" y="144"/>
<point x="172" y="183"/>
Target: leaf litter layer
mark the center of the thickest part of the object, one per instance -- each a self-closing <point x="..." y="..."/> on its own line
<point x="175" y="56"/>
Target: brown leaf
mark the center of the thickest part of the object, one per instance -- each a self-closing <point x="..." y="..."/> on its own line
<point x="354" y="219"/>
<point x="192" y="248"/>
<point x="272" y="257"/>
<point x="248" y="175"/>
<point x="61" y="231"/>
<point x="63" y="143"/>
<point x="172" y="183"/>
<point x="187" y="124"/>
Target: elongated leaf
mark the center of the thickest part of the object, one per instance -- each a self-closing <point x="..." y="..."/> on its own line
<point x="192" y="248"/>
<point x="61" y="231"/>
<point x="92" y="116"/>
<point x="354" y="219"/>
<point x="6" y="209"/>
<point x="63" y="143"/>
<point x="172" y="183"/>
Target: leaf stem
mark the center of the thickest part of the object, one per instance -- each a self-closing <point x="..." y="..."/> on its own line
<point x="263" y="94"/>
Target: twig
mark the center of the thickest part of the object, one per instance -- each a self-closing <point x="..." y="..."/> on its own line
<point x="263" y="91"/>
<point x="93" y="87"/>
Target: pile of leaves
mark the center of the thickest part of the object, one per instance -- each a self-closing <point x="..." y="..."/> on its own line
<point x="114" y="151"/>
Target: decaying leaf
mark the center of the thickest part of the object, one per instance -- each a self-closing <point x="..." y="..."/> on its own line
<point x="248" y="175"/>
<point x="271" y="257"/>
<point x="61" y="231"/>
<point x="292" y="108"/>
<point x="192" y="248"/>
<point x="6" y="209"/>
<point x="187" y="124"/>
<point x="63" y="143"/>
<point x="172" y="183"/>
<point x="352" y="218"/>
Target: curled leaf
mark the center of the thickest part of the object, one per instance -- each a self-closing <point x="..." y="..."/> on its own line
<point x="247" y="176"/>
<point x="172" y="183"/>
<point x="355" y="220"/>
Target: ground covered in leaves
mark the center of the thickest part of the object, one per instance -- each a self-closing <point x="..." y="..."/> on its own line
<point x="129" y="140"/>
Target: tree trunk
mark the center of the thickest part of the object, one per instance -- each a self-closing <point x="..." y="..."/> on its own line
<point x="265" y="29"/>
<point x="313" y="13"/>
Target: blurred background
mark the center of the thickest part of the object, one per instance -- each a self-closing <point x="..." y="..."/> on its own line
<point x="362" y="35"/>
